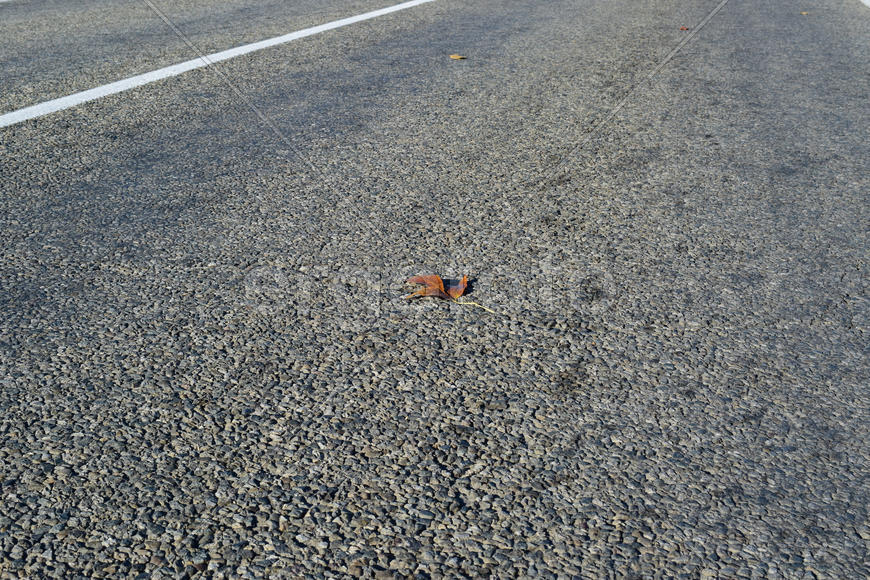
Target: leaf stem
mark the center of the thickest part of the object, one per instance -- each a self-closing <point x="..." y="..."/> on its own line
<point x="481" y="306"/>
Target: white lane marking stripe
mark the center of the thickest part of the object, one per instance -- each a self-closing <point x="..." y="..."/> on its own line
<point x="62" y="103"/>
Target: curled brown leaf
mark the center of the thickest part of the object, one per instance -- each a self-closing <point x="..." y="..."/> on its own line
<point x="433" y="285"/>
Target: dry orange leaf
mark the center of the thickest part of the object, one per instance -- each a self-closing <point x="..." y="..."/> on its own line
<point x="433" y="285"/>
<point x="457" y="57"/>
<point x="684" y="28"/>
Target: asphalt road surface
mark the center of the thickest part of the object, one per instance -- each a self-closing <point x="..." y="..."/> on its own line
<point x="207" y="366"/>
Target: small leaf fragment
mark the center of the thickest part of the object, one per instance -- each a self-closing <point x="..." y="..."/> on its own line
<point x="457" y="57"/>
<point x="684" y="28"/>
<point x="455" y="291"/>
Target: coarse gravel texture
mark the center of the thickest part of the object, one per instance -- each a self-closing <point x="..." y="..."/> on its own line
<point x="207" y="367"/>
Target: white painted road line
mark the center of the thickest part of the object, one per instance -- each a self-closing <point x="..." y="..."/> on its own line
<point x="62" y="103"/>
